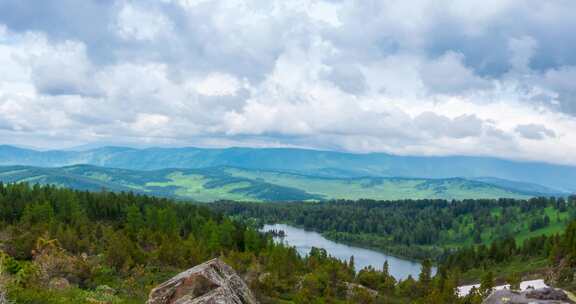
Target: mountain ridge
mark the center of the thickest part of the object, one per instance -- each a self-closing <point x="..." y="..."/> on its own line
<point x="232" y="183"/>
<point x="311" y="162"/>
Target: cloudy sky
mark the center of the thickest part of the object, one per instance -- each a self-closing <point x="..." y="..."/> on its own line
<point x="419" y="77"/>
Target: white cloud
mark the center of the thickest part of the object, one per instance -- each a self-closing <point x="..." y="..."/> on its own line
<point x="534" y="131"/>
<point x="141" y="23"/>
<point x="217" y="84"/>
<point x="149" y="124"/>
<point x="63" y="69"/>
<point x="476" y="15"/>
<point x="448" y="74"/>
<point x="474" y="78"/>
<point x="441" y="126"/>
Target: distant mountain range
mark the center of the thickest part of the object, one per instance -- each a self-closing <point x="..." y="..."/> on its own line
<point x="538" y="177"/>
<point x="229" y="183"/>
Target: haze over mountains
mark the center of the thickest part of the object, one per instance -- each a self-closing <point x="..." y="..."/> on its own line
<point x="285" y="174"/>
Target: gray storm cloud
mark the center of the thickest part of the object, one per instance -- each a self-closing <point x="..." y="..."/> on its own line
<point x="534" y="131"/>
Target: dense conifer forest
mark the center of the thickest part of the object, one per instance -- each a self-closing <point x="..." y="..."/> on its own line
<point x="287" y="152"/>
<point x="416" y="229"/>
<point x="65" y="246"/>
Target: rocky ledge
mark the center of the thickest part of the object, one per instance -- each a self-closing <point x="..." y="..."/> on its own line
<point x="212" y="282"/>
<point x="537" y="296"/>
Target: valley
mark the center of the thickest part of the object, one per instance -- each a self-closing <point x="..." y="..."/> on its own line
<point x="232" y="183"/>
<point x="287" y="152"/>
<point x="412" y="224"/>
<point x="535" y="177"/>
<point x="419" y="229"/>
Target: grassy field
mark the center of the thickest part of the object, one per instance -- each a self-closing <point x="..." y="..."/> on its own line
<point x="521" y="232"/>
<point x="557" y="225"/>
<point x="194" y="186"/>
<point x="377" y="188"/>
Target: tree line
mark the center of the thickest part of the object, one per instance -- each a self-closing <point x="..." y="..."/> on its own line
<point x="64" y="246"/>
<point x="413" y="228"/>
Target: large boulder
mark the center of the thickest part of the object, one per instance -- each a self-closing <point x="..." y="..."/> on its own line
<point x="538" y="296"/>
<point x="212" y="282"/>
<point x="549" y="294"/>
<point x="3" y="297"/>
<point x="352" y="288"/>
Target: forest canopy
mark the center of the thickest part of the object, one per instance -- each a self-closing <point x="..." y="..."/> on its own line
<point x="64" y="246"/>
<point x="416" y="228"/>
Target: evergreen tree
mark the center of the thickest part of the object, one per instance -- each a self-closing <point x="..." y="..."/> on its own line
<point x="487" y="283"/>
<point x="514" y="280"/>
<point x="134" y="220"/>
<point x="425" y="277"/>
<point x="352" y="264"/>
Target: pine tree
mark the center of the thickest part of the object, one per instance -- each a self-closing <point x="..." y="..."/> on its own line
<point x="514" y="281"/>
<point x="134" y="220"/>
<point x="351" y="263"/>
<point x="386" y="269"/>
<point x="487" y="283"/>
<point x="425" y="277"/>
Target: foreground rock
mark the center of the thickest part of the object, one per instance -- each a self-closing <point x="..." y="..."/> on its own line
<point x="524" y="286"/>
<point x="352" y="288"/>
<point x="538" y="296"/>
<point x="212" y="282"/>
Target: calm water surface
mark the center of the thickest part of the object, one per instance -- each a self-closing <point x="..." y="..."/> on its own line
<point x="304" y="240"/>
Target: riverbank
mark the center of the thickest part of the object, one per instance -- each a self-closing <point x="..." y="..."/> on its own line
<point x="359" y="240"/>
<point x="413" y="252"/>
<point x="304" y="240"/>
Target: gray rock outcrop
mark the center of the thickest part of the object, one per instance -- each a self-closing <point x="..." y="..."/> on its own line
<point x="212" y="282"/>
<point x="350" y="288"/>
<point x="538" y="296"/>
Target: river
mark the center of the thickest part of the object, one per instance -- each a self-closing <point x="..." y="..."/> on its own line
<point x="304" y="240"/>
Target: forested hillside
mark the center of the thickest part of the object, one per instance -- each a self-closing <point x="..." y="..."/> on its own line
<point x="476" y="241"/>
<point x="551" y="257"/>
<point x="227" y="183"/>
<point x="309" y="162"/>
<point x="65" y="246"/>
<point x="417" y="228"/>
<point x="287" y="152"/>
